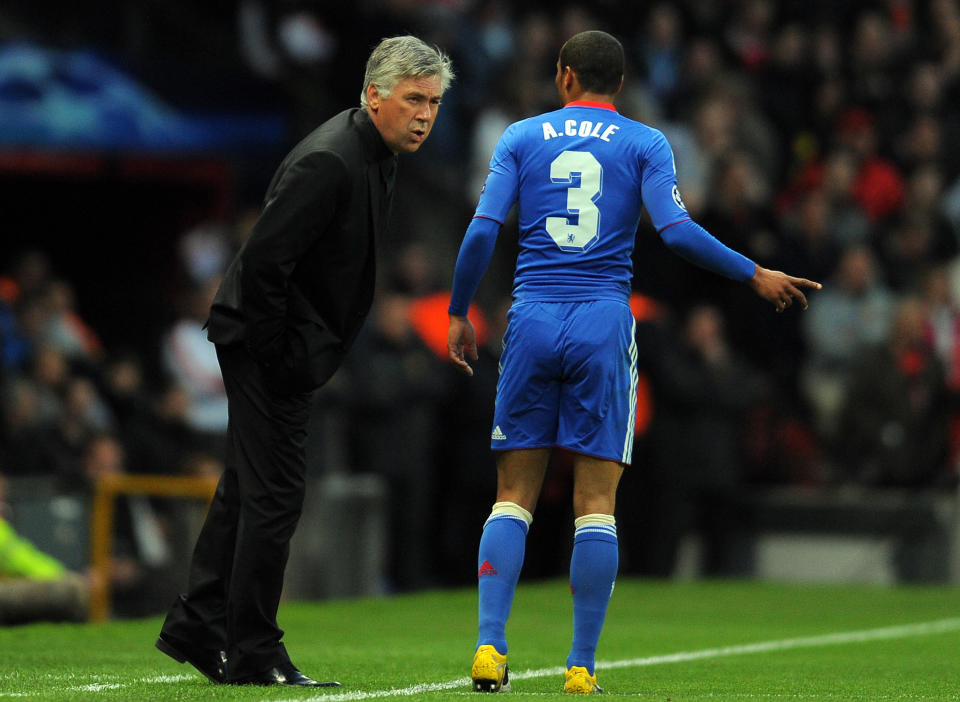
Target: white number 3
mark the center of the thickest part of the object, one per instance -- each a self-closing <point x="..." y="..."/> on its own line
<point x="579" y="230"/>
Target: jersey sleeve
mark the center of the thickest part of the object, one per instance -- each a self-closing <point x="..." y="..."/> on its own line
<point x="472" y="261"/>
<point x="659" y="190"/>
<point x="694" y="243"/>
<point x="661" y="196"/>
<point x="502" y="187"/>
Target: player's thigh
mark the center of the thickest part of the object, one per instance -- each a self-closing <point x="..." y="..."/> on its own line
<point x="595" y="483"/>
<point x="520" y="476"/>
<point x="599" y="396"/>
<point x="525" y="415"/>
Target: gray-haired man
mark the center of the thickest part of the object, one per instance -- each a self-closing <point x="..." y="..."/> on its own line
<point x="290" y="305"/>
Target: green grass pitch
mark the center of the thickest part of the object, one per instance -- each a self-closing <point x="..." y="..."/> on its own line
<point x="663" y="641"/>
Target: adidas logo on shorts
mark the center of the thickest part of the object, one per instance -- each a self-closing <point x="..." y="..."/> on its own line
<point x="498" y="435"/>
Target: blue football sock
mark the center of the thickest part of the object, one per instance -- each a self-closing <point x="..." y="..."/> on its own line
<point x="593" y="570"/>
<point x="498" y="568"/>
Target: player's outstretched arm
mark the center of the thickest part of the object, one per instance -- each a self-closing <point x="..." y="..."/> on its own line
<point x="779" y="288"/>
<point x="461" y="342"/>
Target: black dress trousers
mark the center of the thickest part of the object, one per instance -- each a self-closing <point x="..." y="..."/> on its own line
<point x="236" y="575"/>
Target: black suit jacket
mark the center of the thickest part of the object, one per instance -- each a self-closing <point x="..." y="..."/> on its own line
<point x="299" y="289"/>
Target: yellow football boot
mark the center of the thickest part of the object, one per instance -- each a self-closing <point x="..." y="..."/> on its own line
<point x="489" y="671"/>
<point x="579" y="682"/>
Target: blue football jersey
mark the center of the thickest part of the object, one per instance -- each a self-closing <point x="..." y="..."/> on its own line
<point x="580" y="176"/>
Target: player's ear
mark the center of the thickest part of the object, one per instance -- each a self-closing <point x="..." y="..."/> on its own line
<point x="619" y="87"/>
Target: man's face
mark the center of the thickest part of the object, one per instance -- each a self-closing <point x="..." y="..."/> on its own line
<point x="405" y="118"/>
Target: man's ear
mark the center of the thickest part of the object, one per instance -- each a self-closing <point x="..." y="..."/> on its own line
<point x="373" y="97"/>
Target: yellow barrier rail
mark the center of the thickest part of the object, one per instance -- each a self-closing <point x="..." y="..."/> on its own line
<point x="106" y="490"/>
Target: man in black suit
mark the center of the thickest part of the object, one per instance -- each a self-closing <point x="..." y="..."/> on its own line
<point x="288" y="310"/>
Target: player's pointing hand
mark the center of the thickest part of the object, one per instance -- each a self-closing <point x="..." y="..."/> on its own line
<point x="781" y="289"/>
<point x="462" y="342"/>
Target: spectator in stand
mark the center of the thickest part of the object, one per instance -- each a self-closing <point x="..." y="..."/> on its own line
<point x="122" y="387"/>
<point x="910" y="247"/>
<point x="163" y="441"/>
<point x="943" y="320"/>
<point x="875" y="60"/>
<point x="878" y="185"/>
<point x="787" y="84"/>
<point x="737" y="212"/>
<point x="397" y="384"/>
<point x="414" y="271"/>
<point x="50" y="373"/>
<point x="807" y="240"/>
<point x="748" y="33"/>
<point x="28" y="275"/>
<point x="704" y="64"/>
<point x="205" y="251"/>
<point x="83" y="415"/>
<point x="852" y="312"/>
<point x="30" y="321"/>
<point x="943" y="331"/>
<point x="835" y="176"/>
<point x="922" y="236"/>
<point x="703" y="391"/>
<point x="849" y="223"/>
<point x="192" y="361"/>
<point x="23" y="441"/>
<point x="660" y="49"/>
<point x="142" y="556"/>
<point x="14" y="347"/>
<point x="65" y="329"/>
<point x="894" y="423"/>
<point x="921" y="142"/>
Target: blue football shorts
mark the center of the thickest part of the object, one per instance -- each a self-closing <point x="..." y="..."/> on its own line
<point x="568" y="378"/>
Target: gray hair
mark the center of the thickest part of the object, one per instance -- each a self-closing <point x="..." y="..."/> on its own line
<point x="397" y="58"/>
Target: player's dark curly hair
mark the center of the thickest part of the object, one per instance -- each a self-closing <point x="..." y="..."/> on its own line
<point x="597" y="59"/>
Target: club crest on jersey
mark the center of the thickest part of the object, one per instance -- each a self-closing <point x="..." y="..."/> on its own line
<point x="677" y="199"/>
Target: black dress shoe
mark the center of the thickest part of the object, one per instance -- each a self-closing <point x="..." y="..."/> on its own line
<point x="283" y="674"/>
<point x="211" y="664"/>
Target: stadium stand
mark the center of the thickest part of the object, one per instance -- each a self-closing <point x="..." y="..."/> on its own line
<point x="813" y="135"/>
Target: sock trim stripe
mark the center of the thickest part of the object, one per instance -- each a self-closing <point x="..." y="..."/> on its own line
<point x="611" y="530"/>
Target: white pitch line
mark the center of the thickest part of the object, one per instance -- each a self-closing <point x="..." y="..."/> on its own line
<point x="885" y="633"/>
<point x="169" y="678"/>
<point x="98" y="687"/>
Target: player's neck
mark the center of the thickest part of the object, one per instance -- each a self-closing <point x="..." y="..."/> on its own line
<point x="587" y="96"/>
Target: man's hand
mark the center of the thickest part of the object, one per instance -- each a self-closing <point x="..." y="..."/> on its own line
<point x="462" y="342"/>
<point x="780" y="288"/>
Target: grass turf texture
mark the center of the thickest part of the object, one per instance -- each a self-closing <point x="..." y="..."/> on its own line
<point x="395" y="643"/>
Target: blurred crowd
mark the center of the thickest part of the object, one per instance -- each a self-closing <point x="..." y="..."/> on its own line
<point x="815" y="137"/>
